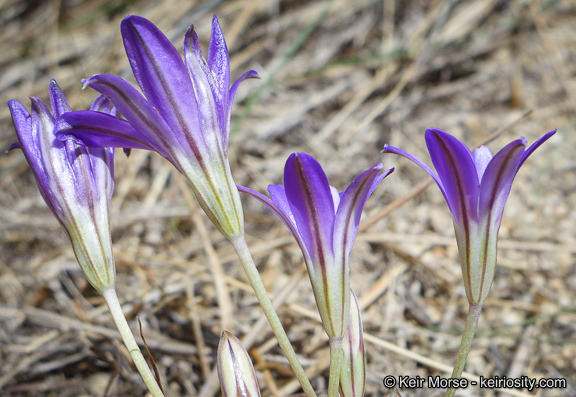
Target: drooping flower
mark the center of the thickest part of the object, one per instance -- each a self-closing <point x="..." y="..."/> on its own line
<point x="353" y="369"/>
<point x="235" y="369"/>
<point x="184" y="114"/>
<point x="476" y="187"/>
<point x="75" y="182"/>
<point x="324" y="224"/>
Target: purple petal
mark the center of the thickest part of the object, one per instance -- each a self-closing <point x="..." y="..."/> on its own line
<point x="350" y="209"/>
<point x="417" y="161"/>
<point x="219" y="66"/>
<point x="278" y="196"/>
<point x="284" y="217"/>
<point x="49" y="158"/>
<point x="497" y="181"/>
<point x="58" y="100"/>
<point x="163" y="78"/>
<point x="455" y="166"/>
<point x="143" y="117"/>
<point x="13" y="146"/>
<point x="28" y="138"/>
<point x="310" y="199"/>
<point x="252" y="74"/>
<point x="23" y="125"/>
<point x="535" y="146"/>
<point x="104" y="105"/>
<point x="204" y="90"/>
<point x="97" y="129"/>
<point x="482" y="156"/>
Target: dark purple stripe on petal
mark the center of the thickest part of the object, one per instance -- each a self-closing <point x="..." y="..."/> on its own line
<point x="164" y="80"/>
<point x="139" y="113"/>
<point x="350" y="209"/>
<point x="104" y="105"/>
<point x="97" y="129"/>
<point x="494" y="190"/>
<point x="455" y="166"/>
<point x="219" y="66"/>
<point x="498" y="178"/>
<point x="310" y="199"/>
<point x="58" y="100"/>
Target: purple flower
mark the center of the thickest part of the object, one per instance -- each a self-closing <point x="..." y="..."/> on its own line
<point x="476" y="186"/>
<point x="184" y="114"/>
<point x="76" y="183"/>
<point x="324" y="223"/>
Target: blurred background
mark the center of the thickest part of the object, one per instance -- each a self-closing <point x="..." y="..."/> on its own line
<point x="339" y="80"/>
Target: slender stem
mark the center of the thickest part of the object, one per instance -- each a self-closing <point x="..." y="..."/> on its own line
<point x="335" y="364"/>
<point x="243" y="252"/>
<point x="128" y="338"/>
<point x="467" y="337"/>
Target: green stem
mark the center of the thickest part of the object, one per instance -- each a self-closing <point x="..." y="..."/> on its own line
<point x="467" y="337"/>
<point x="128" y="338"/>
<point x="243" y="252"/>
<point x="335" y="364"/>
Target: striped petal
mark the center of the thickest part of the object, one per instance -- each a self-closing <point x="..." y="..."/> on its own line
<point x="58" y="100"/>
<point x="497" y="181"/>
<point x="350" y="209"/>
<point x="139" y="113"/>
<point x="535" y="146"/>
<point x="98" y="129"/>
<point x="455" y="166"/>
<point x="163" y="78"/>
<point x="310" y="199"/>
<point x="219" y="66"/>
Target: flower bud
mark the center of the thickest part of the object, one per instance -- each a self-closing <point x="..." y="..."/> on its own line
<point x="235" y="369"/>
<point x="353" y="369"/>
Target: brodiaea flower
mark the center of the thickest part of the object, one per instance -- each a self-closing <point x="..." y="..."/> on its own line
<point x="325" y="224"/>
<point x="75" y="182"/>
<point x="184" y="116"/>
<point x="476" y="187"/>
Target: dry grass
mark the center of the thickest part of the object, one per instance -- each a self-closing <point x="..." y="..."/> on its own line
<point x="339" y="79"/>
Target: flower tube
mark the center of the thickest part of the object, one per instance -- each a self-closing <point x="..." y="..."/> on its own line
<point x="353" y="370"/>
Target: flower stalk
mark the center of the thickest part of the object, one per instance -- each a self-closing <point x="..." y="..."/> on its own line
<point x="251" y="271"/>
<point x="466" y="343"/>
<point x="120" y="320"/>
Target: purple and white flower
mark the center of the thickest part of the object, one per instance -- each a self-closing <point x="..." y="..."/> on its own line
<point x="476" y="187"/>
<point x="324" y="224"/>
<point x="184" y="114"/>
<point x="76" y="183"/>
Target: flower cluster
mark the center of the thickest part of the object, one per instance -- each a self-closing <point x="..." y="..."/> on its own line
<point x="183" y="114"/>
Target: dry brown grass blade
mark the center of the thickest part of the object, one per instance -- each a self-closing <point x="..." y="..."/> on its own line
<point x="151" y="358"/>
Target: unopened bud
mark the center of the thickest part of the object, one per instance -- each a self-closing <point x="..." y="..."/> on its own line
<point x="235" y="370"/>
